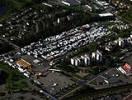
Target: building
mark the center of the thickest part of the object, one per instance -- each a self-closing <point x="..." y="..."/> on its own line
<point x="35" y="65"/>
<point x="77" y="61"/>
<point x="97" y="56"/>
<point x="24" y="64"/>
<point x="83" y="60"/>
<point x="71" y="2"/>
<point x="72" y="61"/>
<point x="104" y="16"/>
<point x="126" y="69"/>
<point x="120" y="42"/>
<point x="86" y="59"/>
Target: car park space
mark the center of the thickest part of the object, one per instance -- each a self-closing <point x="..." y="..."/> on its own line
<point x="56" y="46"/>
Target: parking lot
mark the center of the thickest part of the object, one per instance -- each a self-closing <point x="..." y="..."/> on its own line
<point x="58" y="45"/>
<point x="56" y="83"/>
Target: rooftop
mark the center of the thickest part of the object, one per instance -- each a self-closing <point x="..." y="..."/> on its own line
<point x="38" y="64"/>
<point x="105" y="14"/>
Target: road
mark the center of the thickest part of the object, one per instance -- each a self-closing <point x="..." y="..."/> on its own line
<point x="10" y="43"/>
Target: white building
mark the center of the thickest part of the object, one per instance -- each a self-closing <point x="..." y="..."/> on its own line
<point x="72" y="61"/>
<point x="87" y="60"/>
<point x="106" y="15"/>
<point x="77" y="62"/>
<point x="98" y="56"/>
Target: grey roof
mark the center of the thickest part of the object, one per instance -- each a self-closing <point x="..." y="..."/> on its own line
<point x="73" y="2"/>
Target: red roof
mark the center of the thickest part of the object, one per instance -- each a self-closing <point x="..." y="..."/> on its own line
<point x="127" y="68"/>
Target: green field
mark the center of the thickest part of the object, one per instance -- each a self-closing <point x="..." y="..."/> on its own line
<point x="13" y="6"/>
<point x="15" y="80"/>
<point x="17" y="4"/>
<point x="127" y="15"/>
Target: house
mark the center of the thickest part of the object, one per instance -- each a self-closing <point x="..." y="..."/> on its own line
<point x="71" y="2"/>
<point x="126" y="69"/>
<point x="24" y="64"/>
<point x="35" y="65"/>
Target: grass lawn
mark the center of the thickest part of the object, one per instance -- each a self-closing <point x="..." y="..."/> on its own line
<point x="14" y="5"/>
<point x="15" y="80"/>
<point x="127" y="15"/>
